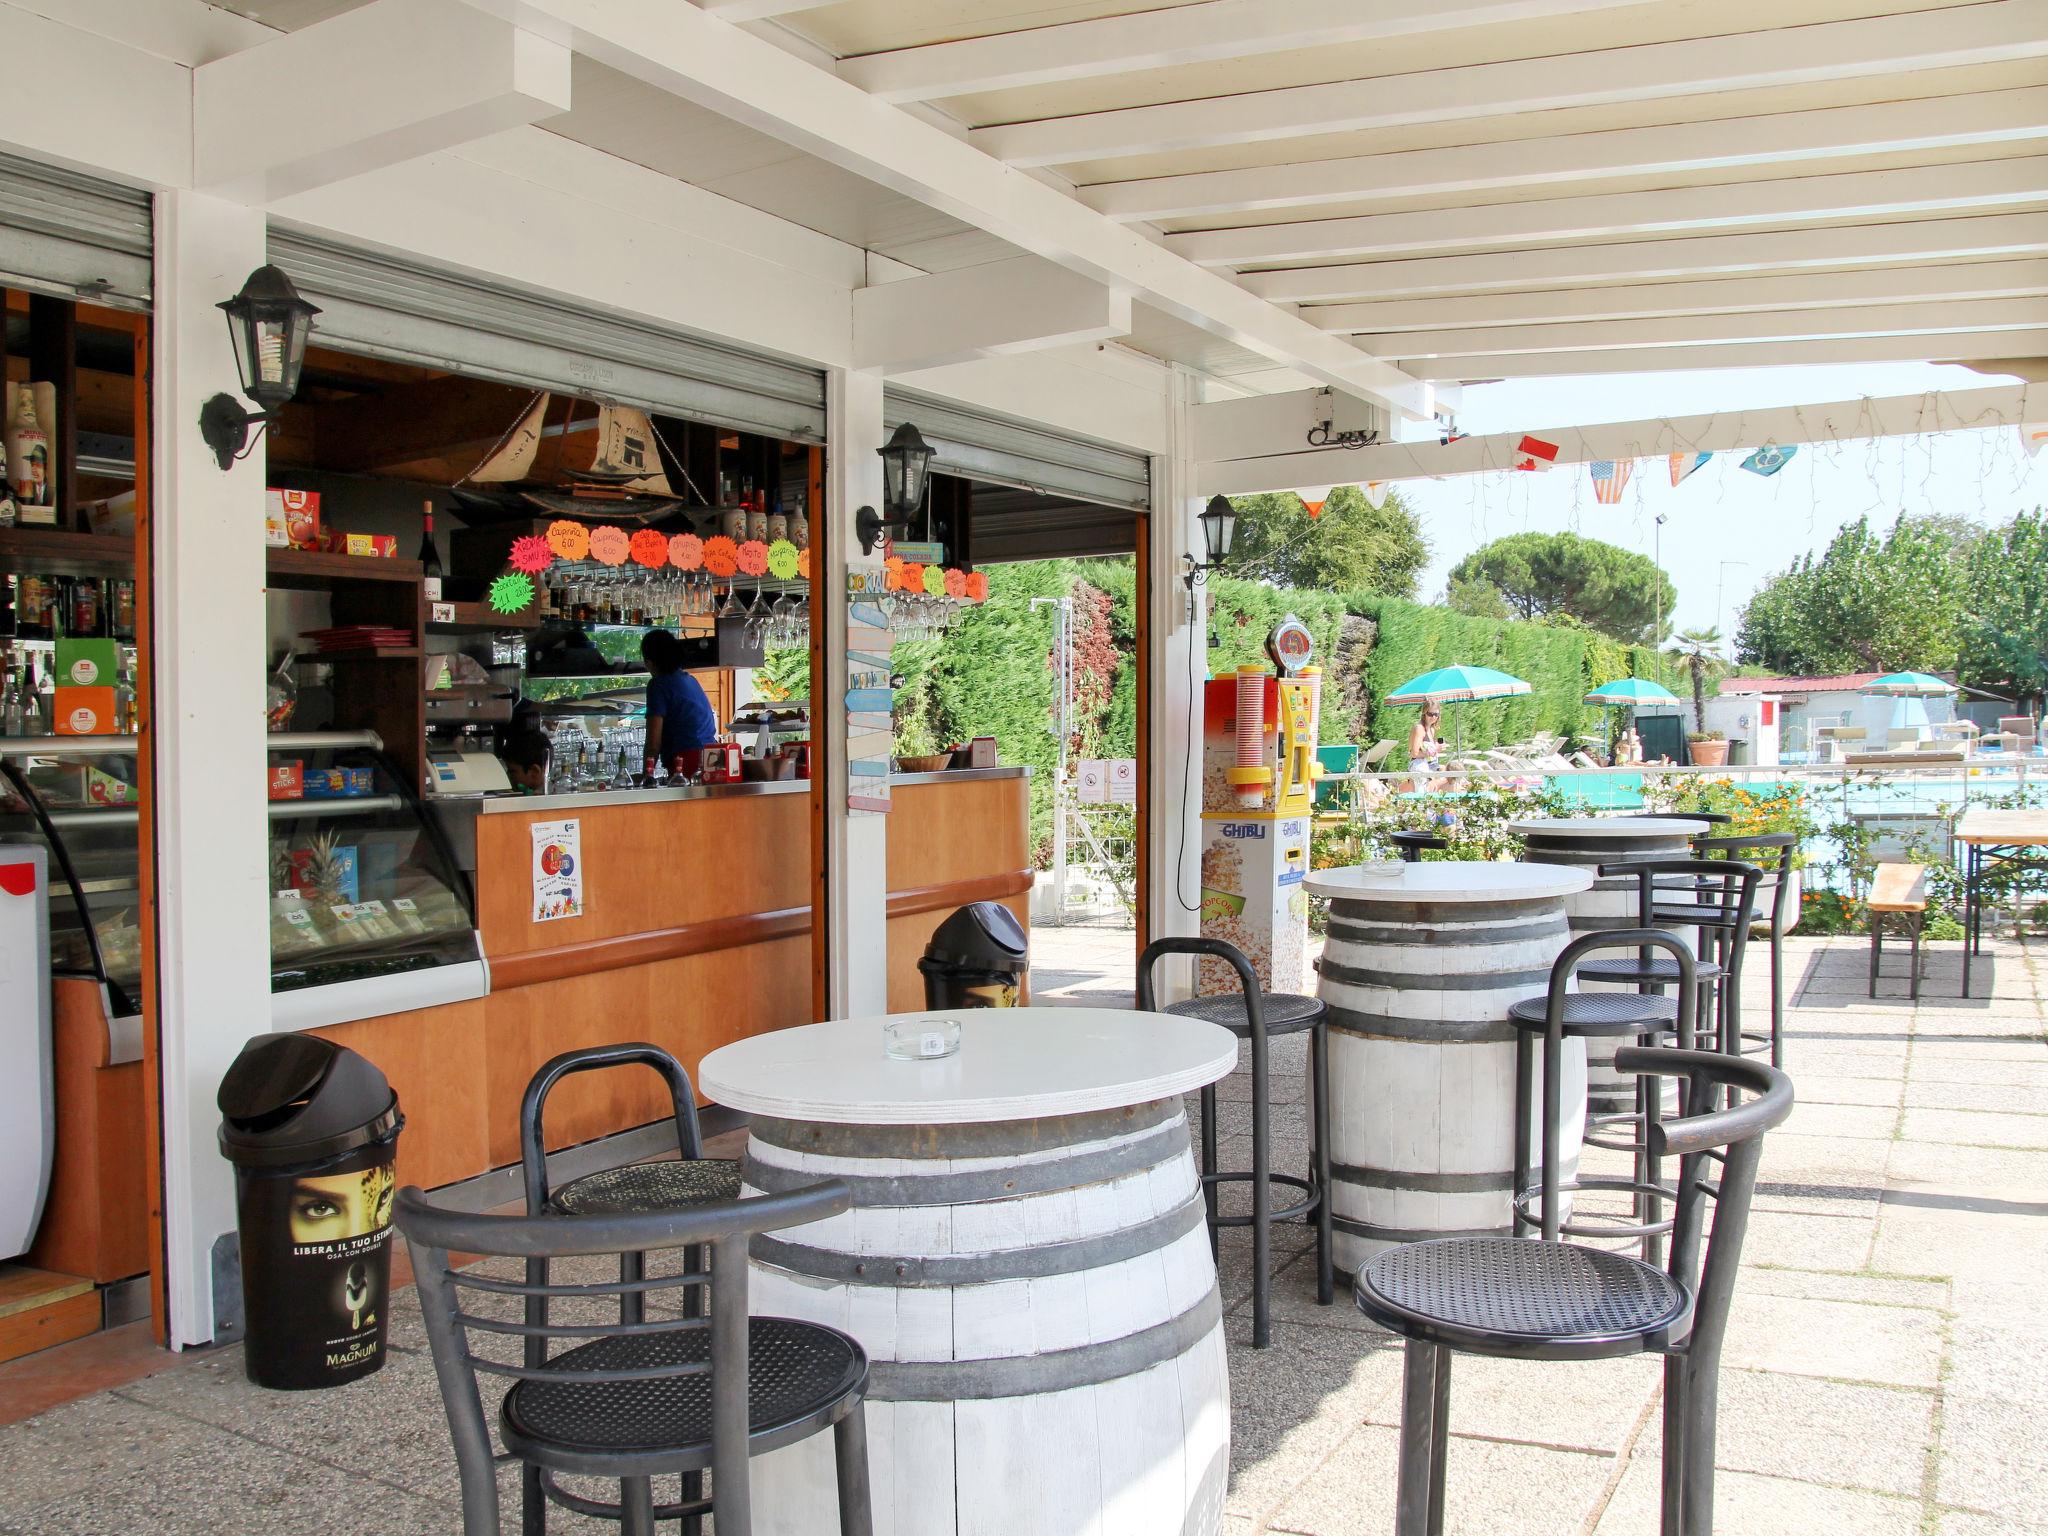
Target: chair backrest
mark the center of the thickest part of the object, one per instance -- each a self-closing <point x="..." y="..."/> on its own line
<point x="1410" y="845"/>
<point x="533" y="1160"/>
<point x="2016" y="725"/>
<point x="1215" y="949"/>
<point x="1377" y="753"/>
<point x="1771" y="852"/>
<point x="1642" y="941"/>
<point x="1705" y="1125"/>
<point x="433" y="1232"/>
<point x="1715" y="896"/>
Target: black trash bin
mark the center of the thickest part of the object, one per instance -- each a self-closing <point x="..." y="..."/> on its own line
<point x="977" y="959"/>
<point x="311" y="1128"/>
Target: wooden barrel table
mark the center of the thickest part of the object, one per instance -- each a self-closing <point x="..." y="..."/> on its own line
<point x="1586" y="842"/>
<point x="1025" y="1263"/>
<point x="1419" y="972"/>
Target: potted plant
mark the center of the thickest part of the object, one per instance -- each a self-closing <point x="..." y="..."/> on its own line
<point x="1708" y="749"/>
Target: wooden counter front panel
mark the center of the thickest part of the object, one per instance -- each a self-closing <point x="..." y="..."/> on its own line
<point x="970" y="831"/>
<point x="434" y="1059"/>
<point x="96" y="1219"/>
<point x="647" y="867"/>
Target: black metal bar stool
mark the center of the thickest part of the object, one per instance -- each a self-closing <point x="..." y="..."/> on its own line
<point x="641" y="1398"/>
<point x="689" y="1179"/>
<point x="1255" y="1015"/>
<point x="1714" y="897"/>
<point x="1411" y="846"/>
<point x="1536" y="1299"/>
<point x="1559" y="1015"/>
<point x="1771" y="853"/>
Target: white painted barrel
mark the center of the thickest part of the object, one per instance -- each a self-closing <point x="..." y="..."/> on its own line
<point x="1040" y="1311"/>
<point x="1586" y="842"/>
<point x="1422" y="1057"/>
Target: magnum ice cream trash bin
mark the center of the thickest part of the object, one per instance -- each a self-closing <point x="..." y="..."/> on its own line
<point x="311" y="1128"/>
<point x="977" y="959"/>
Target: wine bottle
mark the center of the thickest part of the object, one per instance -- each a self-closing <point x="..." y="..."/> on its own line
<point x="28" y="463"/>
<point x="430" y="557"/>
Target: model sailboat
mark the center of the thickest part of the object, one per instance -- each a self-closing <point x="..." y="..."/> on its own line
<point x="540" y="468"/>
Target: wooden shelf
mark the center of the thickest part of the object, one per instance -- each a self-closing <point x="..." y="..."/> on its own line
<point x="49" y="551"/>
<point x="474" y="617"/>
<point x="376" y="653"/>
<point x="314" y="571"/>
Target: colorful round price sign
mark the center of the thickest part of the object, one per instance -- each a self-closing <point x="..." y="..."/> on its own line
<point x="531" y="554"/>
<point x="649" y="549"/>
<point x="934" y="581"/>
<point x="686" y="552"/>
<point x="956" y="583"/>
<point x="609" y="545"/>
<point x="721" y="555"/>
<point x="569" y="541"/>
<point x="752" y="557"/>
<point x="782" y="560"/>
<point x="977" y="586"/>
<point x="510" y="593"/>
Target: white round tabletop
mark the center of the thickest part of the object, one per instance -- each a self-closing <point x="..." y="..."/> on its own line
<point x="1452" y="880"/>
<point x="1608" y="826"/>
<point x="1013" y="1064"/>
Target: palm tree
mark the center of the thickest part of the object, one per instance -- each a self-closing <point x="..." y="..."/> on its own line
<point x="1696" y="648"/>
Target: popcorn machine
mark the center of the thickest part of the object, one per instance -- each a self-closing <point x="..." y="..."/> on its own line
<point x="1258" y="790"/>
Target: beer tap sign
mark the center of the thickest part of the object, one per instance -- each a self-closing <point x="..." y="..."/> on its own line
<point x="1258" y="795"/>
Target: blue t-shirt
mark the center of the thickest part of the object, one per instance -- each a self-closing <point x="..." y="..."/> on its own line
<point x="687" y="723"/>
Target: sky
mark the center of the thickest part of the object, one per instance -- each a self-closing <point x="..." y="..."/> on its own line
<point x="1727" y="531"/>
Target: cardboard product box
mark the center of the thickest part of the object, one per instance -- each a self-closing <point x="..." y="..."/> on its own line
<point x="382" y="546"/>
<point x="87" y="663"/>
<point x="85" y="711"/>
<point x="291" y="519"/>
<point x="287" y="781"/>
<point x="113" y="517"/>
<point x="344" y="872"/>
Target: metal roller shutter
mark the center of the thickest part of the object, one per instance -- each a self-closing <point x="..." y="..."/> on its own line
<point x="72" y="235"/>
<point x="413" y="312"/>
<point x="977" y="445"/>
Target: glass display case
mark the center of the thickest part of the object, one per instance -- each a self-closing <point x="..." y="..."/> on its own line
<point x="77" y="797"/>
<point x="369" y="913"/>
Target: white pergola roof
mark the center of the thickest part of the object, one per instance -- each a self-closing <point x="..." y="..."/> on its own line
<point x="1377" y="194"/>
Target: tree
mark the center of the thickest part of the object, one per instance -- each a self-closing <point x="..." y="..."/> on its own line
<point x="2005" y="630"/>
<point x="1352" y="547"/>
<point x="1697" y="650"/>
<point x="1478" y="599"/>
<point x="1869" y="603"/>
<point x="1604" y="586"/>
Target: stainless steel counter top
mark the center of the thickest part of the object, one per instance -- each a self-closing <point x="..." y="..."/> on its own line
<point x="584" y="800"/>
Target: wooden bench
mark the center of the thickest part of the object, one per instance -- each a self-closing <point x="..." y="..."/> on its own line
<point x="1897" y="891"/>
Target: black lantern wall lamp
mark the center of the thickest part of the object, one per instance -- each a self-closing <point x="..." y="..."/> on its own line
<point x="269" y="323"/>
<point x="1219" y="525"/>
<point x="906" y="474"/>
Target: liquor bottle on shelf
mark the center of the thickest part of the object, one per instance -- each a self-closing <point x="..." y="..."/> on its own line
<point x="13" y="709"/>
<point x="430" y="557"/>
<point x="28" y="463"/>
<point x="46" y="700"/>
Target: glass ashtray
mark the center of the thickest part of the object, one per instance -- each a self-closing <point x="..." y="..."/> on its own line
<point x="921" y="1039"/>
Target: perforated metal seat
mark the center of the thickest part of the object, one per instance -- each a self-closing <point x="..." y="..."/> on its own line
<point x="1600" y="1013"/>
<point x="799" y="1377"/>
<point x="648" y="1187"/>
<point x="1286" y="1013"/>
<point x="1524" y="1297"/>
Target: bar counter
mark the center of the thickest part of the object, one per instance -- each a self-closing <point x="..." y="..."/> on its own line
<point x="695" y="931"/>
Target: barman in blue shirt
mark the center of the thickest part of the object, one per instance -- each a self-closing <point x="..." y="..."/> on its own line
<point x="680" y="723"/>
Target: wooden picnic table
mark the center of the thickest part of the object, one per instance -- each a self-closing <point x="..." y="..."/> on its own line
<point x="1995" y="841"/>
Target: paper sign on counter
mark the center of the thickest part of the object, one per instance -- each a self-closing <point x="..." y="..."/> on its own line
<point x="557" y="870"/>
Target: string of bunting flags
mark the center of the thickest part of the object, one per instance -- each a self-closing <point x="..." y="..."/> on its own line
<point x="719" y="557"/>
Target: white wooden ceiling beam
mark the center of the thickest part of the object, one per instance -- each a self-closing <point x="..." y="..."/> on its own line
<point x="1262" y="424"/>
<point x="681" y="50"/>
<point x="1669" y="148"/>
<point x="1946" y="346"/>
<point x="1690" y="330"/>
<point x="759" y="10"/>
<point x="1025" y="304"/>
<point x="395" y="80"/>
<point x="1787" y="200"/>
<point x="2018" y="234"/>
<point x="1174" y="36"/>
<point x="1996" y="32"/>
<point x="1731" y="295"/>
<point x="1832" y="421"/>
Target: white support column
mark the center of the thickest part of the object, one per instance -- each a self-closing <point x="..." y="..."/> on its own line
<point x="212" y="855"/>
<point x="1174" y="775"/>
<point x="856" y="842"/>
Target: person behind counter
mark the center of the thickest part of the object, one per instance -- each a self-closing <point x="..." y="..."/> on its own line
<point x="680" y="724"/>
<point x="526" y="761"/>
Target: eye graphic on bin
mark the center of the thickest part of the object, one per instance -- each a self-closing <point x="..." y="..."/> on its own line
<point x="341" y="1205"/>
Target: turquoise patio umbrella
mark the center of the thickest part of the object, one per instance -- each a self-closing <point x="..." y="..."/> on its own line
<point x="1455" y="685"/>
<point x="1632" y="690"/>
<point x="1911" y="689"/>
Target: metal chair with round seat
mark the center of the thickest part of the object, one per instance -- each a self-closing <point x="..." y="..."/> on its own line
<point x="1539" y="1299"/>
<point x="1411" y="846"/>
<point x="1255" y="1015"/>
<point x="1716" y="898"/>
<point x="1771" y="853"/>
<point x="688" y="1179"/>
<point x="1544" y="1023"/>
<point x="642" y="1397"/>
